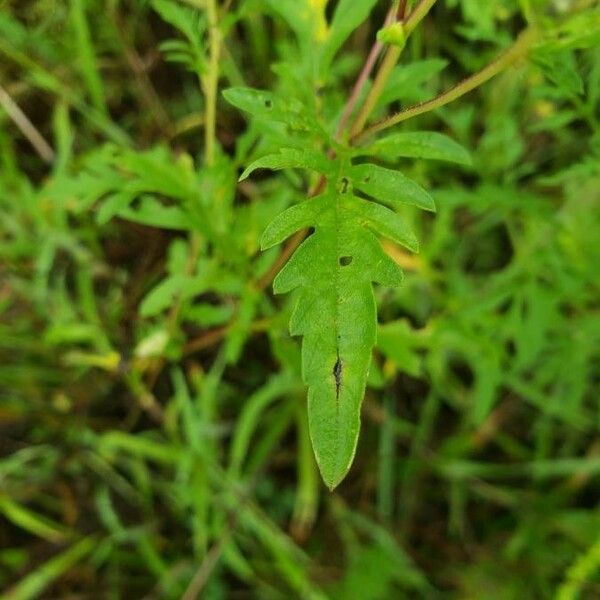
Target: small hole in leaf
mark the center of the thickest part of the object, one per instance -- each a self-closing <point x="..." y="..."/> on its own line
<point x="268" y="103"/>
<point x="344" y="186"/>
<point x="345" y="261"/>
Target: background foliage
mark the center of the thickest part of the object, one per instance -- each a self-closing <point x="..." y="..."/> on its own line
<point x="153" y="433"/>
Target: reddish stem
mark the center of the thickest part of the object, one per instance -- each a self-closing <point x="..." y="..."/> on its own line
<point x="364" y="75"/>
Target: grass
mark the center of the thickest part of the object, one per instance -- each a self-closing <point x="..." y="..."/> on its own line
<point x="153" y="432"/>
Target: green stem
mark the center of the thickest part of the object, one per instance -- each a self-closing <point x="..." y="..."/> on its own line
<point x="388" y="63"/>
<point x="211" y="81"/>
<point x="516" y="51"/>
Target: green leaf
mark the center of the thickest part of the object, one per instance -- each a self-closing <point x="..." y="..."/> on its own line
<point x="417" y="144"/>
<point x="290" y="158"/>
<point x="561" y="69"/>
<point x="30" y="521"/>
<point x="112" y="205"/>
<point x="390" y="187"/>
<point x="385" y="222"/>
<point x="184" y="18"/>
<point x="291" y="220"/>
<point x="251" y="416"/>
<point x="208" y="315"/>
<point x="336" y="313"/>
<point x="579" y="31"/>
<point x="305" y="17"/>
<point x="272" y="107"/>
<point x="334" y="269"/>
<point x="161" y="296"/>
<point x="256" y="102"/>
<point x="398" y="342"/>
<point x="33" y="585"/>
<point x="153" y="213"/>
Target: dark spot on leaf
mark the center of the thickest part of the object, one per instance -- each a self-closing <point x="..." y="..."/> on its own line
<point x="367" y="179"/>
<point x="345" y="261"/>
<point x="268" y="103"/>
<point x="344" y="186"/>
<point x="337" y="374"/>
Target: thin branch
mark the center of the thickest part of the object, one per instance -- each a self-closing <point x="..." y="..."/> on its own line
<point x="27" y="128"/>
<point x="363" y="77"/>
<point x="207" y="339"/>
<point x="211" y="81"/>
<point x="515" y="52"/>
<point x="389" y="62"/>
<point x="401" y="13"/>
<point x="200" y="578"/>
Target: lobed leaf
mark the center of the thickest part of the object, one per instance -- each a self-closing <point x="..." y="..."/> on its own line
<point x="333" y="270"/>
<point x="335" y="312"/>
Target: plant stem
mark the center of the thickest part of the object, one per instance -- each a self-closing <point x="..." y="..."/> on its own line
<point x="28" y="129"/>
<point x="516" y="51"/>
<point x="210" y="82"/>
<point x="362" y="78"/>
<point x="389" y="62"/>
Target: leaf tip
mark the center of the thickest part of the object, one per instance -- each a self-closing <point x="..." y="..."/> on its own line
<point x="227" y="93"/>
<point x="466" y="158"/>
<point x="265" y="242"/>
<point x="333" y="480"/>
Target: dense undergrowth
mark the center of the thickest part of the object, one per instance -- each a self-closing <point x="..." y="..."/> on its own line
<point x="154" y="439"/>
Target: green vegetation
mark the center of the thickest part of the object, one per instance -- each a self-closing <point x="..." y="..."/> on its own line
<point x="419" y="180"/>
